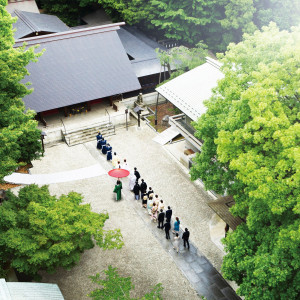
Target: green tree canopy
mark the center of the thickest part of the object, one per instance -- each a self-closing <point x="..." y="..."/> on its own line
<point x="68" y="11"/>
<point x="39" y="231"/>
<point x="251" y="134"/>
<point x="115" y="286"/>
<point x="19" y="136"/>
<point x="182" y="59"/>
<point x="217" y="23"/>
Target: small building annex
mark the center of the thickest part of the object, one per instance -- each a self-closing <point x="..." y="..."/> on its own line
<point x="78" y="67"/>
<point x="188" y="92"/>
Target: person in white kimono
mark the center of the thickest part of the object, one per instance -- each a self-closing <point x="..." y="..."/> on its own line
<point x="125" y="166"/>
<point x="132" y="180"/>
<point x="115" y="160"/>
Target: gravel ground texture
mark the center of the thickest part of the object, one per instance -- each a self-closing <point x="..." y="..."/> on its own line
<point x="142" y="257"/>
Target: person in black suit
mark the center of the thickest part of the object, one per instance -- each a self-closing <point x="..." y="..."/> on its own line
<point x="137" y="174"/>
<point x="143" y="187"/>
<point x="185" y="237"/>
<point x="168" y="214"/>
<point x="136" y="190"/>
<point x="161" y="218"/>
<point x="167" y="227"/>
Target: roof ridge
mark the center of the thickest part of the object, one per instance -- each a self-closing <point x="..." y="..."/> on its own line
<point x="27" y="22"/>
<point x="213" y="62"/>
<point x="69" y="34"/>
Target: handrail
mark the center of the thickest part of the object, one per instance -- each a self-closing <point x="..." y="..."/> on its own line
<point x="106" y="111"/>
<point x="64" y="126"/>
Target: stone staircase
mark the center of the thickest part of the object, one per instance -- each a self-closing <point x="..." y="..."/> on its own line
<point x="87" y="133"/>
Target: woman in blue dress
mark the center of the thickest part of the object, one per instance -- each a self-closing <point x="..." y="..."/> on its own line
<point x="176" y="225"/>
<point x="109" y="152"/>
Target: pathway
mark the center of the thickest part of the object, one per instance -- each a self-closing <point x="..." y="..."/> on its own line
<point x="204" y="278"/>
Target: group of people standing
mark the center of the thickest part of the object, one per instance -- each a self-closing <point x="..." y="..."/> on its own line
<point x="104" y="146"/>
<point x="154" y="205"/>
<point x="156" y="209"/>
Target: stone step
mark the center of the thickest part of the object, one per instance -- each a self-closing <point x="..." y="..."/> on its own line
<point x="85" y="134"/>
<point x="83" y="139"/>
<point x="92" y="131"/>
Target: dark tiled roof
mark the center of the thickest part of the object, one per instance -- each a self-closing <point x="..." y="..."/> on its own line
<point x="78" y="66"/>
<point x="29" y="23"/>
<point x="142" y="49"/>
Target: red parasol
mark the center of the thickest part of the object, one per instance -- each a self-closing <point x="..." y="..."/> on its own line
<point x="118" y="173"/>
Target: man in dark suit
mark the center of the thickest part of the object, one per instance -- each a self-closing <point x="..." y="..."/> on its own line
<point x="143" y="187"/>
<point x="137" y="174"/>
<point x="168" y="214"/>
<point x="185" y="237"/>
<point x="161" y="218"/>
<point x="167" y="227"/>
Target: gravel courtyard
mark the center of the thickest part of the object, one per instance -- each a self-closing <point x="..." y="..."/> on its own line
<point x="142" y="256"/>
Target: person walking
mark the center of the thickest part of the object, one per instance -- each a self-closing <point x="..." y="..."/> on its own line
<point x="176" y="242"/>
<point x="117" y="190"/>
<point x="132" y="181"/>
<point x="161" y="218"/>
<point x="168" y="214"/>
<point x="137" y="174"/>
<point x="99" y="144"/>
<point x="125" y="165"/>
<point x="104" y="149"/>
<point x="109" y="152"/>
<point x="161" y="205"/>
<point x="154" y="212"/>
<point x="167" y="227"/>
<point x="176" y="225"/>
<point x="150" y="191"/>
<point x="103" y="142"/>
<point x="144" y="202"/>
<point x="99" y="136"/>
<point x="143" y="186"/>
<point x="150" y="204"/>
<point x="115" y="160"/>
<point x="185" y="237"/>
<point x="136" y="190"/>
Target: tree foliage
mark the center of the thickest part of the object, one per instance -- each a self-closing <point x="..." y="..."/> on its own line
<point x="69" y="12"/>
<point x="19" y="136"/>
<point x="42" y="232"/>
<point x="217" y="23"/>
<point x="251" y="134"/>
<point x="115" y="286"/>
<point x="182" y="59"/>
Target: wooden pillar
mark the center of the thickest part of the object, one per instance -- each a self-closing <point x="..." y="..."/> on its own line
<point x="89" y="105"/>
<point x="66" y="111"/>
<point x="111" y="100"/>
<point x="41" y="115"/>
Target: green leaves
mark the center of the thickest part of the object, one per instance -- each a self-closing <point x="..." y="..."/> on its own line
<point x="251" y="134"/>
<point x="18" y="129"/>
<point x="115" y="286"/>
<point x="41" y="232"/>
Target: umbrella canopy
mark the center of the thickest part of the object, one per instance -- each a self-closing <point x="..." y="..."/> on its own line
<point x="119" y="173"/>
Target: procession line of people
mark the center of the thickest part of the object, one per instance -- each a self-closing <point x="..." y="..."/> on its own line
<point x="156" y="209"/>
<point x="152" y="203"/>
